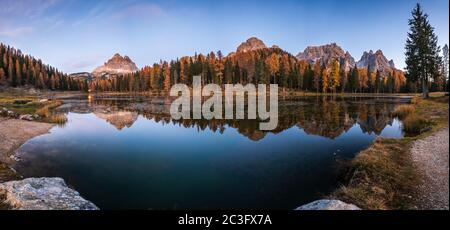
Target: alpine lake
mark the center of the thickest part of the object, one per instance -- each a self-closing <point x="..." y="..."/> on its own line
<point x="126" y="152"/>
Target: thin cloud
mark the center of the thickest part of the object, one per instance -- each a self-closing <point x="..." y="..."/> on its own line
<point x="144" y="10"/>
<point x="82" y="63"/>
<point x="16" y="32"/>
<point x="29" y="9"/>
<point x="20" y="17"/>
<point x="96" y="12"/>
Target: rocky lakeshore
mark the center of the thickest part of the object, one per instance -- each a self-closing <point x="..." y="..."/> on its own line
<point x="15" y="132"/>
<point x="31" y="193"/>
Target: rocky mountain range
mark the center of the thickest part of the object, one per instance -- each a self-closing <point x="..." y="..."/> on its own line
<point x="326" y="53"/>
<point x="374" y="61"/>
<point x="115" y="66"/>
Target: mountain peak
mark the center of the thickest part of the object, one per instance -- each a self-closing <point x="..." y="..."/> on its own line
<point x="376" y="62"/>
<point x="251" y="44"/>
<point x="115" y="66"/>
<point x="326" y="53"/>
<point x="379" y="52"/>
<point x="391" y="63"/>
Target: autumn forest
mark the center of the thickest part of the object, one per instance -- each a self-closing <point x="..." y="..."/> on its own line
<point x="264" y="66"/>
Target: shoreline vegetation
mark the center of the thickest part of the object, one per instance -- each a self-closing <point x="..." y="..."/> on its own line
<point x="384" y="175"/>
<point x="63" y="94"/>
<point x="381" y="177"/>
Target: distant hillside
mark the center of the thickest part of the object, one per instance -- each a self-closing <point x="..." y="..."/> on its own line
<point x="82" y="76"/>
<point x="17" y="70"/>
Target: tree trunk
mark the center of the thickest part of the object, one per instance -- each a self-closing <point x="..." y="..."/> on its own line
<point x="424" y="88"/>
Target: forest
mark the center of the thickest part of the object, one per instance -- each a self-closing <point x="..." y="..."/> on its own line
<point x="17" y="69"/>
<point x="263" y="66"/>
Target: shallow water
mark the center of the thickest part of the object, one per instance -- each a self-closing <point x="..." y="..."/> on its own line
<point x="126" y="153"/>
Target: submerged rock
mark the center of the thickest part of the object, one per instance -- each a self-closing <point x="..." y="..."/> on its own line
<point x="42" y="194"/>
<point x="328" y="205"/>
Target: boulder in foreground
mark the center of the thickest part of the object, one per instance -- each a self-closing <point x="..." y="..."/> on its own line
<point x="42" y="194"/>
<point x="328" y="205"/>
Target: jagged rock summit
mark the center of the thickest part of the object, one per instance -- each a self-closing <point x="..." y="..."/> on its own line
<point x="251" y="44"/>
<point x="325" y="54"/>
<point x="376" y="62"/>
<point x="115" y="66"/>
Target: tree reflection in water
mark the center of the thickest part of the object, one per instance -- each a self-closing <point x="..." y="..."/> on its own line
<point x="324" y="116"/>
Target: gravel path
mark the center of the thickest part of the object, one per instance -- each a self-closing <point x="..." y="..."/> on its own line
<point x="431" y="157"/>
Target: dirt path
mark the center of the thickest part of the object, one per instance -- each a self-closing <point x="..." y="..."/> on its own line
<point x="431" y="157"/>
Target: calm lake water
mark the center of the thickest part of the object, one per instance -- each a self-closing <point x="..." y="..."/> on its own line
<point x="126" y="153"/>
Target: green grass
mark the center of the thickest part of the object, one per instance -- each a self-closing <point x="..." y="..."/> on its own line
<point x="29" y="104"/>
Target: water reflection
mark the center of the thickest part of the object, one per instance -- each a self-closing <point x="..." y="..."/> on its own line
<point x="323" y="116"/>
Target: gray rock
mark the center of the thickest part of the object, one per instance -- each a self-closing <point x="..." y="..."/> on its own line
<point x="43" y="194"/>
<point x="11" y="114"/>
<point x="26" y="117"/>
<point x="328" y="205"/>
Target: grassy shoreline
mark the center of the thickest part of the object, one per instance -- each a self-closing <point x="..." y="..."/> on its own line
<point x="384" y="176"/>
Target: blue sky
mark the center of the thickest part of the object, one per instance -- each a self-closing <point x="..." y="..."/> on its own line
<point x="80" y="35"/>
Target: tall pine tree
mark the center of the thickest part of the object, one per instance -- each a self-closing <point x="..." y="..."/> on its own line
<point x="422" y="50"/>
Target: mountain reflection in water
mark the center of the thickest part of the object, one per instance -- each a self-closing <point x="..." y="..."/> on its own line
<point x="324" y="116"/>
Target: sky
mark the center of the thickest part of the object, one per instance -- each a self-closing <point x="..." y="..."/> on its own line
<point x="79" y="35"/>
